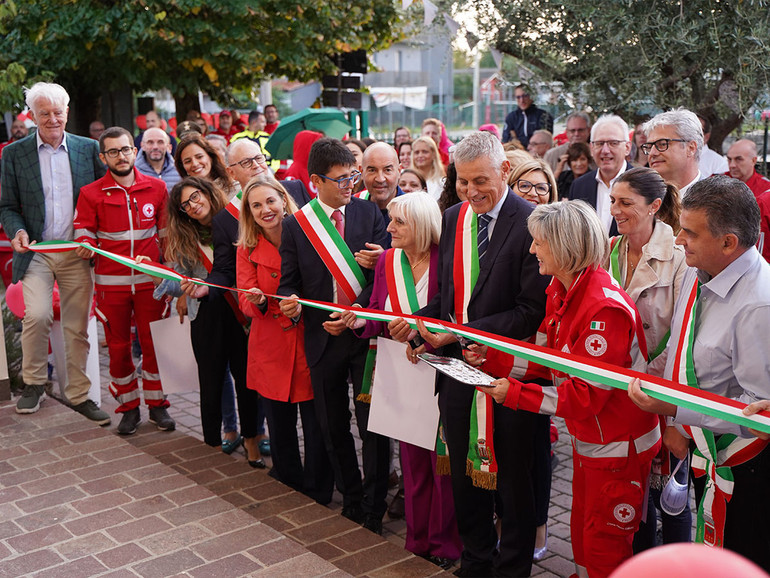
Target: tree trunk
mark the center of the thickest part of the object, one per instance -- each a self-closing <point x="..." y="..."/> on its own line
<point x="721" y="128"/>
<point x="184" y="104"/>
<point x="85" y="107"/>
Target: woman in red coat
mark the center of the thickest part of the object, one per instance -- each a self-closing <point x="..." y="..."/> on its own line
<point x="276" y="367"/>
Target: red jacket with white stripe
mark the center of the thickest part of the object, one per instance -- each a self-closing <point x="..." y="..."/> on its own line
<point x="126" y="222"/>
<point x="597" y="320"/>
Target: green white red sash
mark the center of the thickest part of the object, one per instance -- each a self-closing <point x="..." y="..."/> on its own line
<point x="615" y="273"/>
<point x="206" y="254"/>
<point x="712" y="457"/>
<point x="671" y="391"/>
<point x="331" y="248"/>
<point x="234" y="206"/>
<point x="481" y="465"/>
<point x="363" y="195"/>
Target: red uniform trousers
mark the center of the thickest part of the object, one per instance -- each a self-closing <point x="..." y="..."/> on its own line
<point x="607" y="506"/>
<point x="116" y="308"/>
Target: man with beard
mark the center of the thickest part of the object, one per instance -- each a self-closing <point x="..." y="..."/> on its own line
<point x="155" y="160"/>
<point x="18" y="131"/>
<point x="123" y="212"/>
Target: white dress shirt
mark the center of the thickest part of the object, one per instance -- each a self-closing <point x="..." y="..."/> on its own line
<point x="56" y="176"/>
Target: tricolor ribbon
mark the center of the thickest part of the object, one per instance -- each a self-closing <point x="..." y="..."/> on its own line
<point x="680" y="395"/>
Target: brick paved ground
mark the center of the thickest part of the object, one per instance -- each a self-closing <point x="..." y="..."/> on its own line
<point x="80" y="500"/>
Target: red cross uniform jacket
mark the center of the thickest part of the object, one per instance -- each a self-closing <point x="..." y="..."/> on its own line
<point x="128" y="222"/>
<point x="594" y="319"/>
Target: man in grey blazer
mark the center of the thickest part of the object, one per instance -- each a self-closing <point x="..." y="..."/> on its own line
<point x="41" y="178"/>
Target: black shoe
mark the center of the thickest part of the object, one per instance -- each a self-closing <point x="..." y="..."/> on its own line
<point x="129" y="422"/>
<point x="354" y="513"/>
<point x="257" y="464"/>
<point x="373" y="523"/>
<point x="443" y="563"/>
<point x="89" y="409"/>
<point x="159" y="416"/>
<point x="477" y="571"/>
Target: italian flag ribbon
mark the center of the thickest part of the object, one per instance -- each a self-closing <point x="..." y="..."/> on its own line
<point x="712" y="457"/>
<point x="615" y="273"/>
<point x="332" y="249"/>
<point x="363" y="195"/>
<point x="206" y="254"/>
<point x="481" y="465"/>
<point x="679" y="394"/>
<point x="234" y="206"/>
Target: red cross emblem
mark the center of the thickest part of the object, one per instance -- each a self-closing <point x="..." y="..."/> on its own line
<point x="596" y="344"/>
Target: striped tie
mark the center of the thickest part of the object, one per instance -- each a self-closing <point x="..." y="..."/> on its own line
<point x="482" y="235"/>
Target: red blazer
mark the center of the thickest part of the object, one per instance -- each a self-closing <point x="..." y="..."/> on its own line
<point x="277" y="367"/>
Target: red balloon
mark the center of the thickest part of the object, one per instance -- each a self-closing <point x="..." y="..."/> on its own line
<point x="685" y="560"/>
<point x="14" y="299"/>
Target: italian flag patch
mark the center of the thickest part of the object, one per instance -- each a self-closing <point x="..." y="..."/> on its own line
<point x="597" y="325"/>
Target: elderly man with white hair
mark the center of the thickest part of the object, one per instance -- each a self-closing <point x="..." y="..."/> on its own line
<point x="155" y="160"/>
<point x="42" y="175"/>
<point x="673" y="148"/>
<point x="610" y="147"/>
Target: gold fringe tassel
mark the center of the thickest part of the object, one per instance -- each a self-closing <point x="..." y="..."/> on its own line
<point x="364" y="397"/>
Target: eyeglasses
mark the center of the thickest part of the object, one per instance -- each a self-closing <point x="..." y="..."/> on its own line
<point x="577" y="130"/>
<point x="248" y="163"/>
<point x="521" y="96"/>
<point x="344" y="182"/>
<point x="194" y="198"/>
<point x="661" y="144"/>
<point x="114" y="153"/>
<point x="613" y="144"/>
<point x="542" y="189"/>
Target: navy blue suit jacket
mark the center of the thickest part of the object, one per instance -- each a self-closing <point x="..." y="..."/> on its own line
<point x="584" y="188"/>
<point x="303" y="272"/>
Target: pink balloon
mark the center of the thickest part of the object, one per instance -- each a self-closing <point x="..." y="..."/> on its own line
<point x="14" y="298"/>
<point x="686" y="560"/>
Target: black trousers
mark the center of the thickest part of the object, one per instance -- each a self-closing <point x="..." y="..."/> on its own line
<point x="515" y="433"/>
<point x="315" y="479"/>
<point x="746" y="528"/>
<point x="218" y="339"/>
<point x="344" y="358"/>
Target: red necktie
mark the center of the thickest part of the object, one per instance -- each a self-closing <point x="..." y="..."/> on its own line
<point x="339" y="224"/>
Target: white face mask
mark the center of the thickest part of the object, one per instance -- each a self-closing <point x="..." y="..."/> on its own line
<point x="673" y="498"/>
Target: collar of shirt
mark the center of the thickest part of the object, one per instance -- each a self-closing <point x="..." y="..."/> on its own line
<point x="598" y="175"/>
<point x="328" y="210"/>
<point x="40" y="142"/>
<point x="684" y="189"/>
<point x="495" y="212"/>
<point x="729" y="276"/>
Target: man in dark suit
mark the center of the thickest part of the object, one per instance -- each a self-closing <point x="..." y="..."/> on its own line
<point x="41" y="177"/>
<point x="610" y="147"/>
<point x="508" y="299"/>
<point x="335" y="354"/>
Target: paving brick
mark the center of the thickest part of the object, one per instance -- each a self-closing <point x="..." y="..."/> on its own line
<point x="278" y="524"/>
<point x="234" y="542"/>
<point x="356" y="540"/>
<point x="322" y="530"/>
<point x="148" y="506"/>
<point x="196" y="511"/>
<point x="13" y="452"/>
<point x="308" y="514"/>
<point x="85" y="545"/>
<point x="279" y="505"/>
<point x="29" y="563"/>
<point x="87" y="566"/>
<point x="558" y="565"/>
<point x="49" y="483"/>
<point x="91" y="446"/>
<point x="167" y="565"/>
<point x="123" y="555"/>
<point x="206" y="461"/>
<point x="108" y="468"/>
<point x="560" y="547"/>
<point x="266" y="491"/>
<point x="412" y="567"/>
<point x="9" y="529"/>
<point x="140" y="528"/>
<point x="164" y="444"/>
<point x="155" y="487"/>
<point x="32" y="460"/>
<point x="19" y="477"/>
<point x="205" y="477"/>
<point x="306" y="565"/>
<point x="372" y="558"/>
<point x="55" y="515"/>
<point x="45" y="445"/>
<point x="96" y="522"/>
<point x="68" y="465"/>
<point x="152" y="472"/>
<point x="88" y="433"/>
<point x="561" y="530"/>
<point x="43" y="501"/>
<point x="107" y="484"/>
<point x="6" y="468"/>
<point x="277" y="551"/>
<point x="175" y="539"/>
<point x="189" y="495"/>
<point x="325" y="550"/>
<point x="237" y="565"/>
<point x="226" y="521"/>
<point x="4" y="552"/>
<point x="101" y="502"/>
<point x="112" y="454"/>
<point x="237" y="499"/>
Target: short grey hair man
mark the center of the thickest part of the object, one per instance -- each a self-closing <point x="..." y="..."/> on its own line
<point x="673" y="147"/>
<point x="480" y="144"/>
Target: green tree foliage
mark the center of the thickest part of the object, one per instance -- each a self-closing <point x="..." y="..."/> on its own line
<point x="712" y="56"/>
<point x="187" y="45"/>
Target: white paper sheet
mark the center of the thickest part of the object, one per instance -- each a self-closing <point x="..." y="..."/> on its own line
<point x="173" y="350"/>
<point x="403" y="404"/>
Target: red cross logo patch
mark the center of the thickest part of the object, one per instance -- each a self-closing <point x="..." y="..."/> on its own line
<point x="624" y="513"/>
<point x="596" y="344"/>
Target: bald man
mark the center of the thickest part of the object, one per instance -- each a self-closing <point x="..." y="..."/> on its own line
<point x="741" y="160"/>
<point x="155" y="160"/>
<point x="380" y="174"/>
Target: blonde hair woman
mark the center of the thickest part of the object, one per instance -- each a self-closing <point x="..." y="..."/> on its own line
<point x="426" y="159"/>
<point x="533" y="181"/>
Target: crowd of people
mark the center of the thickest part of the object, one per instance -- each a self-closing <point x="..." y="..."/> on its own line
<point x="616" y="247"/>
